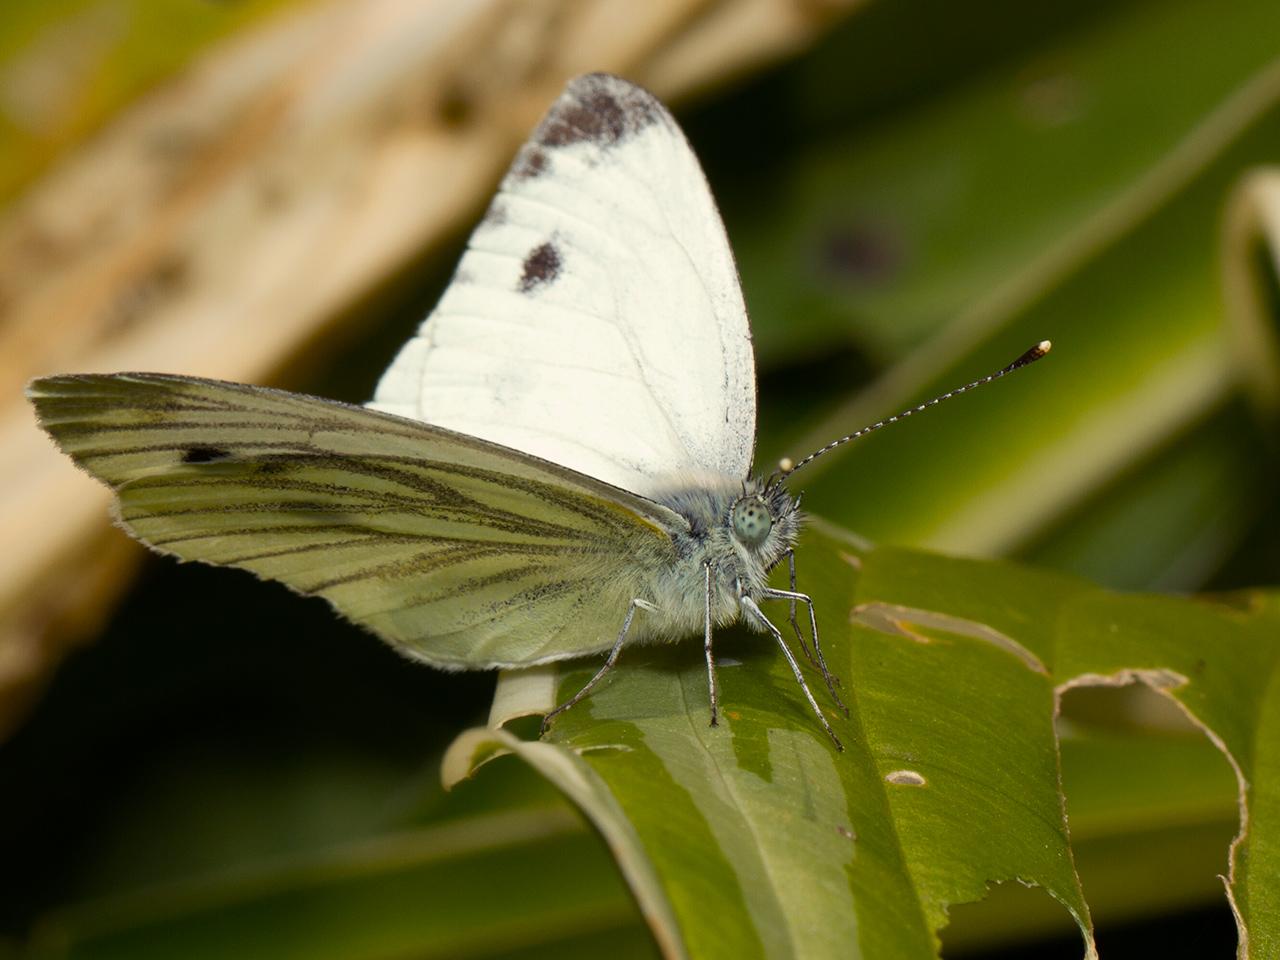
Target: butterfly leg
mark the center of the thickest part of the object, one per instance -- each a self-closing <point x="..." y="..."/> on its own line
<point x="832" y="680"/>
<point x="795" y="624"/>
<point x="608" y="664"/>
<point x="753" y="610"/>
<point x="706" y="644"/>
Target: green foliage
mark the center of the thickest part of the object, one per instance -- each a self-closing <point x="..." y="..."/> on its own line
<point x="758" y="839"/>
<point x="480" y="886"/>
<point x="940" y="186"/>
<point x="1066" y="185"/>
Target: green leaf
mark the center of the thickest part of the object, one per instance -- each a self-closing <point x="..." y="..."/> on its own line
<point x="513" y="883"/>
<point x="1140" y="355"/>
<point x="758" y="839"/>
<point x="966" y="201"/>
<point x="1072" y="187"/>
<point x="1251" y="262"/>
<point x="1151" y="818"/>
<point x="1174" y="792"/>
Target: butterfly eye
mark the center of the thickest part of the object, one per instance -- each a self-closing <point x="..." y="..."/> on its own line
<point x="751" y="521"/>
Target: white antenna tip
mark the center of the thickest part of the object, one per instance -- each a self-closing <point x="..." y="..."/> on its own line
<point x="786" y="465"/>
<point x="1044" y="346"/>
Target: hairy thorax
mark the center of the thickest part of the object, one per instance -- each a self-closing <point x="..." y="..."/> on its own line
<point x="739" y="564"/>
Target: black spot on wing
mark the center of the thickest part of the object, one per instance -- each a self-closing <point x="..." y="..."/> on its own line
<point x="541" y="267"/>
<point x="204" y="455"/>
<point x="598" y="108"/>
<point x="530" y="164"/>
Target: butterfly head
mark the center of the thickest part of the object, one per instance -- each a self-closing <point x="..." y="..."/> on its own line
<point x="764" y="520"/>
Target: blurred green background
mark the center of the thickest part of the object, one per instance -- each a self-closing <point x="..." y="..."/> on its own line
<point x="914" y="200"/>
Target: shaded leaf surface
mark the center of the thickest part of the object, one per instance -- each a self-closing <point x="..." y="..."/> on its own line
<point x="919" y="213"/>
<point x="516" y="883"/>
<point x="758" y="839"/>
<point x="1150" y="816"/>
<point x="1069" y="185"/>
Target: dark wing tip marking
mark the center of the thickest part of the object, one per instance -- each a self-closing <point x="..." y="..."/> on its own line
<point x="204" y="455"/>
<point x="541" y="267"/>
<point x="530" y="163"/>
<point x="598" y="108"/>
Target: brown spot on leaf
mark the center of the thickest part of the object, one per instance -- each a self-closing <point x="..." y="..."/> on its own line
<point x="861" y="254"/>
<point x="1052" y="94"/>
<point x="455" y="108"/>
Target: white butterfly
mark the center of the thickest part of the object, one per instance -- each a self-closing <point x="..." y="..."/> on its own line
<point x="560" y="460"/>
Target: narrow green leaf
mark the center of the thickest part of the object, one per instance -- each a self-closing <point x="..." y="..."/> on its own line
<point x="504" y="884"/>
<point x="1075" y="193"/>
<point x="976" y="195"/>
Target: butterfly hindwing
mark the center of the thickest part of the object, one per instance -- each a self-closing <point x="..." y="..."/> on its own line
<point x="456" y="551"/>
<point x="596" y="318"/>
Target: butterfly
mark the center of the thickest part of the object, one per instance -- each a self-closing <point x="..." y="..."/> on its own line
<point x="560" y="461"/>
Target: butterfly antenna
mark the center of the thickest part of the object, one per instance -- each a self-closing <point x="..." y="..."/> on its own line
<point x="786" y="467"/>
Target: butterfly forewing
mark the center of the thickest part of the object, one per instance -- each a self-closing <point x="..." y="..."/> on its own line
<point x="457" y="551"/>
<point x="596" y="319"/>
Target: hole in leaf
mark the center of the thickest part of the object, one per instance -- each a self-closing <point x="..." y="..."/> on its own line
<point x="1151" y="805"/>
